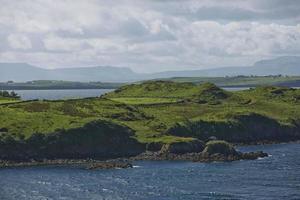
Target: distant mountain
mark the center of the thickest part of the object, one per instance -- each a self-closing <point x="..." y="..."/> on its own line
<point x="288" y="65"/>
<point x="20" y="72"/>
<point x="104" y="74"/>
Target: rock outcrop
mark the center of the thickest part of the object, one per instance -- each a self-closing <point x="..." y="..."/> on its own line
<point x="97" y="139"/>
<point x="240" y="128"/>
<point x="219" y="147"/>
<point x="183" y="147"/>
<point x="214" y="151"/>
<point x="110" y="165"/>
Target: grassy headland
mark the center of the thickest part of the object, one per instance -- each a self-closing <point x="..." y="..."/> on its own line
<point x="152" y="112"/>
<point x="242" y="81"/>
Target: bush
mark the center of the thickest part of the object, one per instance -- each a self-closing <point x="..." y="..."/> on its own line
<point x="12" y="94"/>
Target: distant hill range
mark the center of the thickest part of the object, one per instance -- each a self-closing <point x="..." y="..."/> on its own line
<point x="20" y="72"/>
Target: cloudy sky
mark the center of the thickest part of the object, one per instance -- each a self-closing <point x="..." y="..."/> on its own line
<point x="148" y="35"/>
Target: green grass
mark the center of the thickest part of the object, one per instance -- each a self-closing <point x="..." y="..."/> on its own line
<point x="151" y="109"/>
<point x="144" y="100"/>
<point x="4" y="100"/>
<point x="239" y="81"/>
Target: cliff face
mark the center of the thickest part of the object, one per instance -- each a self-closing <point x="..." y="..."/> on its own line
<point x="99" y="139"/>
<point x="245" y="128"/>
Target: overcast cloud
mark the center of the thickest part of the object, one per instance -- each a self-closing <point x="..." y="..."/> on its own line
<point x="147" y="35"/>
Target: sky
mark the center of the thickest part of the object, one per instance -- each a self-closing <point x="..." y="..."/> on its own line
<point x="148" y="35"/>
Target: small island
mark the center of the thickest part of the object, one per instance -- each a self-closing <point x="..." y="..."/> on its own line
<point x="153" y="120"/>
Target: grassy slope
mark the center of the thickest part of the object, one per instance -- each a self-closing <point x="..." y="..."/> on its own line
<point x="152" y="108"/>
<point x="4" y="100"/>
<point x="240" y="80"/>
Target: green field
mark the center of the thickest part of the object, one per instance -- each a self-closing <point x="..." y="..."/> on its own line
<point x="242" y="81"/>
<point x="7" y="100"/>
<point x="166" y="112"/>
<point x="144" y="100"/>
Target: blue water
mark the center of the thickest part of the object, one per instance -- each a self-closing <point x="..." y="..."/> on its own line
<point x="275" y="177"/>
<point x="72" y="94"/>
<point x="79" y="93"/>
<point x="60" y="94"/>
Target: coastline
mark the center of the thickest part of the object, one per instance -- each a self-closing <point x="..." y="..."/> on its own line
<point x="127" y="162"/>
<point x="266" y="143"/>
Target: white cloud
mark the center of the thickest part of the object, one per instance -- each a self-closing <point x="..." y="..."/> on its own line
<point x="54" y="43"/>
<point x="241" y="39"/>
<point x="148" y="35"/>
<point x="17" y="41"/>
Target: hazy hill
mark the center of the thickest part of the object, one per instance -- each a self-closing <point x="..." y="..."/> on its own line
<point x="21" y="72"/>
<point x="288" y="65"/>
<point x="108" y="74"/>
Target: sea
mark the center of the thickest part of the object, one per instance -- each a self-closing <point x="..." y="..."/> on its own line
<point x="76" y="93"/>
<point x="80" y="93"/>
<point x="274" y="177"/>
<point x="60" y="94"/>
<point x="271" y="178"/>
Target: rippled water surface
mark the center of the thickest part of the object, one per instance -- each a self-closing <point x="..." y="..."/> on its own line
<point x="78" y="93"/>
<point x="60" y="94"/>
<point x="275" y="177"/>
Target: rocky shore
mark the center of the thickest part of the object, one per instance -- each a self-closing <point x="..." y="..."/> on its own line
<point x="111" y="165"/>
<point x="199" y="157"/>
<point x="194" y="151"/>
<point x="84" y="163"/>
<point x="197" y="151"/>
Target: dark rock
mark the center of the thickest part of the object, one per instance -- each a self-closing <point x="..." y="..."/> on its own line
<point x="216" y="150"/>
<point x="4" y="130"/>
<point x="219" y="147"/>
<point x="154" y="146"/>
<point x="183" y="147"/>
<point x="253" y="155"/>
<point x="97" y="139"/>
<point x="110" y="165"/>
<point x="242" y="128"/>
<point x="212" y="138"/>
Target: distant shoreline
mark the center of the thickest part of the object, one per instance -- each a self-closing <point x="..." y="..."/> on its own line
<point x="10" y="89"/>
<point x="224" y="82"/>
<point x="115" y="87"/>
<point x="57" y="85"/>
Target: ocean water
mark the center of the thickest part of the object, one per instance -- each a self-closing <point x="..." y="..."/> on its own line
<point x="79" y="93"/>
<point x="71" y="94"/>
<point x="274" y="177"/>
<point x="60" y="94"/>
